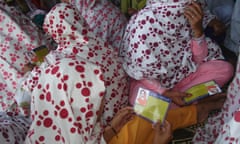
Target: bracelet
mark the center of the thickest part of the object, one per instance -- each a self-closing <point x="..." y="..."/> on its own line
<point x="113" y="129"/>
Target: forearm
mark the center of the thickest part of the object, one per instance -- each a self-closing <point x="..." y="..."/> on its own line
<point x="199" y="49"/>
<point x="109" y="133"/>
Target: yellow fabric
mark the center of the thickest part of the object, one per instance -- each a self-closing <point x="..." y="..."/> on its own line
<point x="139" y="130"/>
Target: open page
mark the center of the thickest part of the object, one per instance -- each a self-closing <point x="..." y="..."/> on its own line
<point x="202" y="90"/>
<point x="151" y="106"/>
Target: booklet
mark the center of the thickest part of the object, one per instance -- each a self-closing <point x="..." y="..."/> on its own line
<point x="37" y="55"/>
<point x="151" y="105"/>
<point x="202" y="90"/>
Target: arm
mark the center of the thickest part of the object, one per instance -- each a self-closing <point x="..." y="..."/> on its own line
<point x="119" y="120"/>
<point x="194" y="14"/>
<point x="199" y="49"/>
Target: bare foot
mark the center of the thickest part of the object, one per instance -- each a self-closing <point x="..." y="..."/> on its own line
<point x="205" y="107"/>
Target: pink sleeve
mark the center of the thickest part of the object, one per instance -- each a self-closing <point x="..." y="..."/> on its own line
<point x="199" y="49"/>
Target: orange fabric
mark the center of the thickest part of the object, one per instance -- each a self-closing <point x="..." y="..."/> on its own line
<point x="139" y="130"/>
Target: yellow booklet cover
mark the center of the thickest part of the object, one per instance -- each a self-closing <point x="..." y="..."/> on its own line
<point x="37" y="55"/>
<point x="202" y="90"/>
<point x="151" y="106"/>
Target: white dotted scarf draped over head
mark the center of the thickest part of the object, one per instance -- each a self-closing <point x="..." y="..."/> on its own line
<point x="157" y="44"/>
<point x="75" y="40"/>
<point x="70" y="31"/>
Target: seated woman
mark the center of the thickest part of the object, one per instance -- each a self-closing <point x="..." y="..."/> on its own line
<point x="165" y="50"/>
<point x="172" y="50"/>
<point x="74" y="38"/>
<point x="79" y="93"/>
<point x="18" y="35"/>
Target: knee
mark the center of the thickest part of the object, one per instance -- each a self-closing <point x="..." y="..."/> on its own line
<point x="226" y="72"/>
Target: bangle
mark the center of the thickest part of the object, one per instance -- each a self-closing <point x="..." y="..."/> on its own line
<point x="113" y="129"/>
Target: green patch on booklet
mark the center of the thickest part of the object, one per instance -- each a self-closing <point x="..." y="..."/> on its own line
<point x="202" y="90"/>
<point x="151" y="106"/>
<point x="37" y="55"/>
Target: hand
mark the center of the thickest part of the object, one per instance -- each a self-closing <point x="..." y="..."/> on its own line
<point x="121" y="118"/>
<point x="176" y="96"/>
<point x="194" y="14"/>
<point x="163" y="133"/>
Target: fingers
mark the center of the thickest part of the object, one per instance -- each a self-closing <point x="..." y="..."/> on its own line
<point x="126" y="112"/>
<point x="122" y="117"/>
<point x="193" y="12"/>
<point x="167" y="125"/>
<point x="196" y="8"/>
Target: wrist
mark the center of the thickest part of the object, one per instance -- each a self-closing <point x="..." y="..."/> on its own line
<point x="167" y="93"/>
<point x="109" y="132"/>
<point x="199" y="38"/>
<point x="197" y="34"/>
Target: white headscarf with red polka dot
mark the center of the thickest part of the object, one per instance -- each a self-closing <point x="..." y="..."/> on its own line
<point x="70" y="31"/>
<point x="75" y="40"/>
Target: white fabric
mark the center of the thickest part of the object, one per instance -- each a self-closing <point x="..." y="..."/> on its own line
<point x="104" y="19"/>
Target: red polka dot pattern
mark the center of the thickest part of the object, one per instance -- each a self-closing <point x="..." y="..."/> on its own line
<point x="104" y="19"/>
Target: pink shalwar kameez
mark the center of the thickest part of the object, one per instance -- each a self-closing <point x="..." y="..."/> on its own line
<point x="158" y="46"/>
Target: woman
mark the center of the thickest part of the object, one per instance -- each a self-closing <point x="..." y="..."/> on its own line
<point x="166" y="51"/>
<point x="80" y="91"/>
<point x="18" y="35"/>
<point x="74" y="38"/>
<point x="165" y="43"/>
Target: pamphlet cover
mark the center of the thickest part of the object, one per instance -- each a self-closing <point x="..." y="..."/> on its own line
<point x="202" y="90"/>
<point x="37" y="55"/>
<point x="151" y="106"/>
